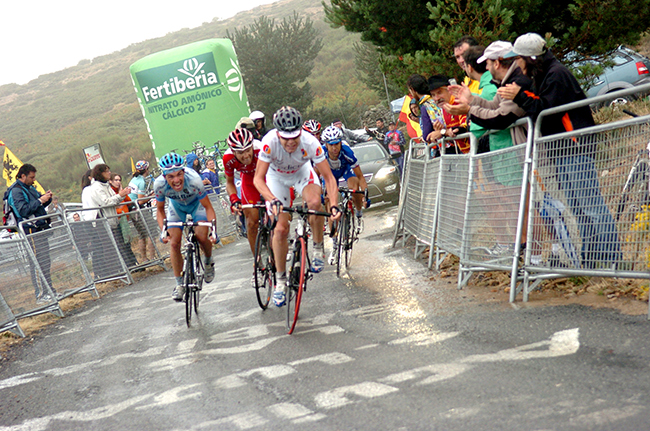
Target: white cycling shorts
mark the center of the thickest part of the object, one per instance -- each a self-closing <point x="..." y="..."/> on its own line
<point x="279" y="183"/>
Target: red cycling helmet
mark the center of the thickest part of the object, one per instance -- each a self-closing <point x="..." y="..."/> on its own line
<point x="240" y="139"/>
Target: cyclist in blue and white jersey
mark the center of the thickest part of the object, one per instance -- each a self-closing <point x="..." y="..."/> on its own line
<point x="284" y="162"/>
<point x="187" y="196"/>
<point x="344" y="164"/>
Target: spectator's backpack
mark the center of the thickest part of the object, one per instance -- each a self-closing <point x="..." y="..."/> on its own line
<point x="8" y="216"/>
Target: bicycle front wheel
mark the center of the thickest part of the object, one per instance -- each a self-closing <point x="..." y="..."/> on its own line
<point x="297" y="283"/>
<point x="264" y="267"/>
<point x="188" y="281"/>
<point x="351" y="237"/>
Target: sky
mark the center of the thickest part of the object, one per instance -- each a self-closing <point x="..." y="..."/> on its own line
<point x="45" y="36"/>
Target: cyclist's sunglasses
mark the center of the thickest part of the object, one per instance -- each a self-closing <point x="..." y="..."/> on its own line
<point x="333" y="142"/>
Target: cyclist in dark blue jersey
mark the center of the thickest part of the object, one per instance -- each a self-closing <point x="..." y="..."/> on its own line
<point x="344" y="165"/>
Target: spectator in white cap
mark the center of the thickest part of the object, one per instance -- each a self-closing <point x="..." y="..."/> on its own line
<point x="497" y="114"/>
<point x="555" y="85"/>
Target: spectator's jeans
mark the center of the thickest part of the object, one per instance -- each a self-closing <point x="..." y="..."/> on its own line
<point x="41" y="246"/>
<point x="578" y="179"/>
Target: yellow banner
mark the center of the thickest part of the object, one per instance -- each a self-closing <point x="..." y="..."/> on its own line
<point x="10" y="166"/>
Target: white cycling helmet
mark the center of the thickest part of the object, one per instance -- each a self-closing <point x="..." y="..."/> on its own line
<point x="256" y="115"/>
<point x="331" y="135"/>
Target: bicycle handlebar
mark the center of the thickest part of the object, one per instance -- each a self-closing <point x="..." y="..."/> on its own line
<point x="304" y="211"/>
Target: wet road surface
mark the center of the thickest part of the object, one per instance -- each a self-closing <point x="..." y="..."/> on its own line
<point x="383" y="348"/>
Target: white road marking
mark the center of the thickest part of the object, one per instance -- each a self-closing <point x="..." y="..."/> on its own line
<point x="333" y="358"/>
<point x="243" y="421"/>
<point x="562" y="343"/>
<point x="237" y="380"/>
<point x="337" y="397"/>
<point x="186" y="346"/>
<point x="424" y="339"/>
<point x="440" y="372"/>
<point x="172" y="396"/>
<point x="295" y="412"/>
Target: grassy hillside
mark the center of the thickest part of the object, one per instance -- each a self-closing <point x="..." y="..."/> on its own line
<point x="49" y="120"/>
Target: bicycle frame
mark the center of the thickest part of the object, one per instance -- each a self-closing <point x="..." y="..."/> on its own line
<point x="300" y="268"/>
<point x="192" y="265"/>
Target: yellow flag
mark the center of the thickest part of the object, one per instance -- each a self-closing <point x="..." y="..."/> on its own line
<point x="132" y="166"/>
<point x="10" y="166"/>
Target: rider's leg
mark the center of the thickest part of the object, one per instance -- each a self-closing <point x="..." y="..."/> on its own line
<point x="252" y="216"/>
<point x="311" y="195"/>
<point x="353" y="183"/>
<point x="176" y="236"/>
<point x="280" y="245"/>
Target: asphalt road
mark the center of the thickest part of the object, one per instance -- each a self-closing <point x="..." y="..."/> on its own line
<point x="383" y="348"/>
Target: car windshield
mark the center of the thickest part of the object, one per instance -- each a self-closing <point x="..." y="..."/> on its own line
<point x="368" y="153"/>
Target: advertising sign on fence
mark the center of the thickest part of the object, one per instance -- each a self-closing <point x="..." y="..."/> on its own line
<point x="190" y="93"/>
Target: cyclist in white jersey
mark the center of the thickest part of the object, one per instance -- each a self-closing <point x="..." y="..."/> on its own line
<point x="284" y="162"/>
<point x="187" y="196"/>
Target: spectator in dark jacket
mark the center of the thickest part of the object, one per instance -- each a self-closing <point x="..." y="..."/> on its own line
<point x="555" y="85"/>
<point x="26" y="202"/>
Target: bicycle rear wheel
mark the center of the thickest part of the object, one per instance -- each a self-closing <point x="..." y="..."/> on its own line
<point x="264" y="267"/>
<point x="198" y="279"/>
<point x="351" y="237"/>
<point x="297" y="283"/>
<point x="342" y="241"/>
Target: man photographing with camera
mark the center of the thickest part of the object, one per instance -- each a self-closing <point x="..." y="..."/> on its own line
<point x="26" y="202"/>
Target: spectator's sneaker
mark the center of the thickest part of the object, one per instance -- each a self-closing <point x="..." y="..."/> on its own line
<point x="279" y="297"/>
<point x="208" y="275"/>
<point x="178" y="293"/>
<point x="318" y="261"/>
<point x="359" y="224"/>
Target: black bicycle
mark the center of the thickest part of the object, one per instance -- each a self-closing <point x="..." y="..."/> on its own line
<point x="193" y="266"/>
<point x="264" y="260"/>
<point x="300" y="267"/>
<point x="347" y="230"/>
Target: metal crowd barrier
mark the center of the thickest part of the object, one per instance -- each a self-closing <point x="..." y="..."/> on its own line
<point x="96" y="238"/>
<point x="452" y="203"/>
<point x="226" y="225"/>
<point x="495" y="202"/>
<point x="590" y="200"/>
<point x="418" y="197"/>
<point x="583" y="213"/>
<point x="136" y="233"/>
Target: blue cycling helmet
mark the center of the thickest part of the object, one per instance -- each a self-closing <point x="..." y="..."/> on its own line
<point x="171" y="162"/>
<point x="142" y="165"/>
<point x="331" y="135"/>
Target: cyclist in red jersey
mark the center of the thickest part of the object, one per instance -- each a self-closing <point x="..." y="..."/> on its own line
<point x="241" y="156"/>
